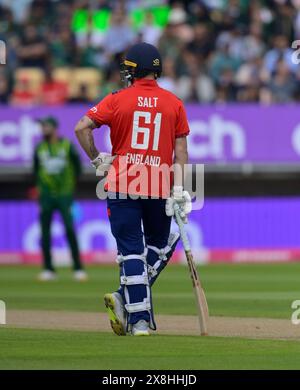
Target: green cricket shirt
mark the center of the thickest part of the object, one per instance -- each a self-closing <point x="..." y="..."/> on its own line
<point x="56" y="167"/>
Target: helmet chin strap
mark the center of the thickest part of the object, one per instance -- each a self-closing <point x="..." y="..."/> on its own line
<point x="129" y="79"/>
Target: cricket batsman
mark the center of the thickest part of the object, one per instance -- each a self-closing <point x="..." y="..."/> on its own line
<point x="148" y="130"/>
<point x="56" y="166"/>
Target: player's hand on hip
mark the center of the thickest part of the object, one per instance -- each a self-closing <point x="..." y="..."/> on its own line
<point x="182" y="199"/>
<point x="102" y="163"/>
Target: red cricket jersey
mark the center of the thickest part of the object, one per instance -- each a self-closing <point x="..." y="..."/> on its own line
<point x="144" y="122"/>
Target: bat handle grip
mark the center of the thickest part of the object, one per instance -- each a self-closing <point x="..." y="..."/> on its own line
<point x="184" y="237"/>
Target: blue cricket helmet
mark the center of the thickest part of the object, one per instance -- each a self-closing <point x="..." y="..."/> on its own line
<point x="140" y="60"/>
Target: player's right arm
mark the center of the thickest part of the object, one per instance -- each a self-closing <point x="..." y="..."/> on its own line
<point x="84" y="133"/>
<point x="99" y="115"/>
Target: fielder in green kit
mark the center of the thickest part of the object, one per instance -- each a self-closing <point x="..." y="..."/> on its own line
<point x="56" y="168"/>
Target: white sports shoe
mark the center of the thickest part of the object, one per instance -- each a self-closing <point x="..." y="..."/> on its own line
<point x="116" y="313"/>
<point x="80" y="276"/>
<point x="47" y="276"/>
<point x="141" y="328"/>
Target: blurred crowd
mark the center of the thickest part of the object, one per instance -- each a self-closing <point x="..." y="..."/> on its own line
<point x="213" y="50"/>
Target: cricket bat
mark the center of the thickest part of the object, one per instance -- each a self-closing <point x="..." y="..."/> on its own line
<point x="201" y="302"/>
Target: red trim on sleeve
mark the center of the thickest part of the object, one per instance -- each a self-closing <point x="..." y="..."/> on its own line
<point x="182" y="135"/>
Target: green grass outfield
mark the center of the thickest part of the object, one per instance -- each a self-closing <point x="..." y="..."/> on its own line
<point x="41" y="349"/>
<point x="232" y="290"/>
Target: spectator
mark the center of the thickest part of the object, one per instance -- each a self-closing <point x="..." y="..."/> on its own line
<point x="222" y="62"/>
<point x="19" y="8"/>
<point x="254" y="46"/>
<point x="296" y="26"/>
<point x="40" y="13"/>
<point x="178" y="20"/>
<point x="119" y="36"/>
<point x="199" y="13"/>
<point x="284" y="20"/>
<point x="282" y="86"/>
<point x="53" y="92"/>
<point x="194" y="85"/>
<point x="4" y="88"/>
<point x="202" y="43"/>
<point x="169" y="44"/>
<point x="150" y="33"/>
<point x="168" y="78"/>
<point x="62" y="48"/>
<point x="249" y="73"/>
<point x="282" y="50"/>
<point x="23" y="95"/>
<point x="33" y="51"/>
<point x="226" y="87"/>
<point x="9" y="33"/>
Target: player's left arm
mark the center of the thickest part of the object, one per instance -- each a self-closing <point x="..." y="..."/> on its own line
<point x="180" y="160"/>
<point x="179" y="195"/>
<point x="181" y="151"/>
<point x="84" y="133"/>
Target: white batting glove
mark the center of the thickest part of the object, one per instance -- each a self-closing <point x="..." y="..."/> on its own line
<point x="182" y="199"/>
<point x="102" y="163"/>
